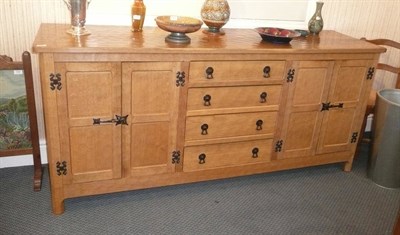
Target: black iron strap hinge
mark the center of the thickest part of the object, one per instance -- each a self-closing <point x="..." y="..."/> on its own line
<point x="371" y="72"/>
<point x="290" y="75"/>
<point x="278" y="146"/>
<point x="180" y="78"/>
<point x="61" y="168"/>
<point x="354" y="137"/>
<point x="55" y="81"/>
<point x="176" y="157"/>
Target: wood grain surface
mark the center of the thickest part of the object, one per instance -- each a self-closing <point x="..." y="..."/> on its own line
<point x="120" y="39"/>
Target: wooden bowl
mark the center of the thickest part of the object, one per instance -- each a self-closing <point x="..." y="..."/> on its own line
<point x="178" y="26"/>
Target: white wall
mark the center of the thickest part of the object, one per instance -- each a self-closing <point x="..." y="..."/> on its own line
<point x="244" y="13"/>
<point x="20" y="20"/>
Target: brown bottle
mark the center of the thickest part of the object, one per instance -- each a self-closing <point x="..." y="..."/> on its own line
<point x="138" y="14"/>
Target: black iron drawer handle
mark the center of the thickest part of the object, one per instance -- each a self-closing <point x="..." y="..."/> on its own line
<point x="267" y="71"/>
<point x="255" y="152"/>
<point x="207" y="100"/>
<point x="204" y="129"/>
<point x="259" y="124"/>
<point x="202" y="158"/>
<point x="263" y="97"/>
<point x="209" y="73"/>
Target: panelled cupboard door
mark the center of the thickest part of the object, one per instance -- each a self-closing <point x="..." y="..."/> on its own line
<point x="349" y="86"/>
<point x="324" y="107"/>
<point x="303" y="118"/>
<point x="90" y="91"/>
<point x="150" y="98"/>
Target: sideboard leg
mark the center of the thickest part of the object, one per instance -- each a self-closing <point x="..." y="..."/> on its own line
<point x="58" y="206"/>
<point x="347" y="166"/>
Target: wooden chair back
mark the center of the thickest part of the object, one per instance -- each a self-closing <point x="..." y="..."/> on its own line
<point x="388" y="67"/>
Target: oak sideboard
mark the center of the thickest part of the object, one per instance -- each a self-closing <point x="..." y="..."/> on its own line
<point x="127" y="111"/>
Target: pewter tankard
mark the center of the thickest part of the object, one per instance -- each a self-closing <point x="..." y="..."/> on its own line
<point x="78" y="16"/>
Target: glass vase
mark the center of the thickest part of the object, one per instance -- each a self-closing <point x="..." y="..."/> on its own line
<point x="316" y="23"/>
<point x="138" y="15"/>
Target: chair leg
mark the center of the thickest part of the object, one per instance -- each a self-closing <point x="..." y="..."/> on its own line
<point x="396" y="229"/>
<point x="361" y="136"/>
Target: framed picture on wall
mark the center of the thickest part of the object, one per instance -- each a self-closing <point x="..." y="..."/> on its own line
<point x="15" y="137"/>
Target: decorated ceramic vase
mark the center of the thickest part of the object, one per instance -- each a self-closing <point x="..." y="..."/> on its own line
<point x="316" y="23"/>
<point x="215" y="14"/>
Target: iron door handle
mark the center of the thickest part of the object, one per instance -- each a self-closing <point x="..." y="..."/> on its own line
<point x="117" y="120"/>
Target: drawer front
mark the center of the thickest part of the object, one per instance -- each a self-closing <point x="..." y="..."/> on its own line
<point x="233" y="97"/>
<point x="207" y="71"/>
<point x="230" y="125"/>
<point x="229" y="154"/>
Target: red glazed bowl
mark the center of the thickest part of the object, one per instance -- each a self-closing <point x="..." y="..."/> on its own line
<point x="277" y="35"/>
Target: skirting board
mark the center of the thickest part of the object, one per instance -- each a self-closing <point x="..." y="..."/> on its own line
<point x="23" y="160"/>
<point x="368" y="127"/>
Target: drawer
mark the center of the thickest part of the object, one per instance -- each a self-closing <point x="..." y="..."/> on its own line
<point x="230" y="125"/>
<point x="224" y="155"/>
<point x="233" y="97"/>
<point x="219" y="71"/>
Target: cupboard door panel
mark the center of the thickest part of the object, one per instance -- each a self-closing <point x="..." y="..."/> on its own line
<point x="336" y="131"/>
<point x="310" y="86"/>
<point x="303" y="117"/>
<point x="90" y="90"/>
<point x="85" y="99"/>
<point x="92" y="154"/>
<point x="151" y="93"/>
<point x="348" y="84"/>
<point x="151" y="100"/>
<point x="349" y="87"/>
<point x="150" y="153"/>
<point x="302" y="129"/>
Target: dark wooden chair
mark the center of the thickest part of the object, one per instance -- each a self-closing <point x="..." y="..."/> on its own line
<point x="372" y="97"/>
<point x="6" y="63"/>
<point x="396" y="227"/>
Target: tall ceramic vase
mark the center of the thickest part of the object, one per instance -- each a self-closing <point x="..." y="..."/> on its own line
<point x="215" y="14"/>
<point x="78" y="16"/>
<point x="316" y="23"/>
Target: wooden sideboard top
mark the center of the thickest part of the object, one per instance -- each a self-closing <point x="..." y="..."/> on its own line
<point x="52" y="38"/>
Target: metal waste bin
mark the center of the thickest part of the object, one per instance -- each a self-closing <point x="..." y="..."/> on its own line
<point x="384" y="160"/>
